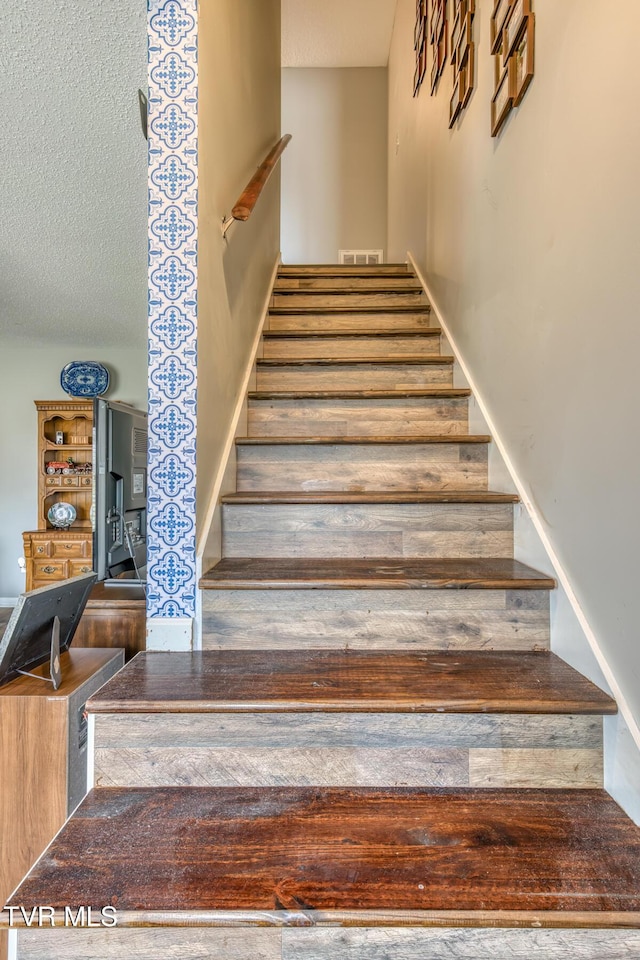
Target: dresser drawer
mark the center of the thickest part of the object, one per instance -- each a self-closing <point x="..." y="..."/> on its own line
<point x="78" y="567"/>
<point x="70" y="548"/>
<point x="50" y="570"/>
<point x="41" y="548"/>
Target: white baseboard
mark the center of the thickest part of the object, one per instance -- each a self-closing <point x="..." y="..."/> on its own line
<point x="233" y="425"/>
<point x="623" y="735"/>
<point x="8" y="601"/>
<point x="173" y="634"/>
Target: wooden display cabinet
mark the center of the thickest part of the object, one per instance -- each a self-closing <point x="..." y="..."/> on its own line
<point x="52" y="553"/>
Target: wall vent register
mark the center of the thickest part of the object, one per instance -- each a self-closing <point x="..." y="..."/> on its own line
<point x="360" y="257"/>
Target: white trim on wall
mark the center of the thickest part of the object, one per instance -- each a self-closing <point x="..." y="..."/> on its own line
<point x="528" y="505"/>
<point x="8" y="601"/>
<point x="233" y="425"/>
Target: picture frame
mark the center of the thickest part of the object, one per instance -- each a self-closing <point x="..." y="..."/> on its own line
<point x="469" y="68"/>
<point x="455" y="104"/>
<point x="463" y="40"/>
<point x="514" y="26"/>
<point x="455" y="35"/>
<point x="502" y="102"/>
<point x="501" y="11"/>
<point x="524" y="62"/>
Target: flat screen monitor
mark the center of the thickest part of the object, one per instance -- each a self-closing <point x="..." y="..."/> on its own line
<point x="27" y="639"/>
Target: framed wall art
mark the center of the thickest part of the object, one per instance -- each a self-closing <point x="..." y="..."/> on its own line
<point x="462" y="57"/>
<point x="513" y="48"/>
<point x="438" y="38"/>
<point x="420" y="45"/>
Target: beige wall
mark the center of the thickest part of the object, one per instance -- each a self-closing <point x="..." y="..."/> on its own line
<point x="29" y="373"/>
<point x="334" y="186"/>
<point x="531" y="246"/>
<point x="239" y="122"/>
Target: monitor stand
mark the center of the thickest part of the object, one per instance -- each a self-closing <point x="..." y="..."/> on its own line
<point x="55" y="673"/>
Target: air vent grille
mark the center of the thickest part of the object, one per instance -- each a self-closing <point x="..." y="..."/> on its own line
<point x="139" y="442"/>
<point x="360" y="258"/>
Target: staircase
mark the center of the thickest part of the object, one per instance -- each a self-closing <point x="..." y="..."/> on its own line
<point x="375" y="755"/>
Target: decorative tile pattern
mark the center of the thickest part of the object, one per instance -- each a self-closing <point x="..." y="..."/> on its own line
<point x="173" y="273"/>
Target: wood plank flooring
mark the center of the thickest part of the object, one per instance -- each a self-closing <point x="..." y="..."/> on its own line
<point x="383" y="574"/>
<point x="351" y="681"/>
<point x="349" y="857"/>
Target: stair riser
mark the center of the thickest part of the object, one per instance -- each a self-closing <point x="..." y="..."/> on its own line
<point x="370" y="300"/>
<point x="350" y="322"/>
<point x="357" y="377"/>
<point x="375" y="619"/>
<point x="346" y="283"/>
<point x="363" y="467"/>
<point x="359" y="418"/>
<point x="328" y="943"/>
<point x="307" y="348"/>
<point x="376" y="530"/>
<point x="346" y="749"/>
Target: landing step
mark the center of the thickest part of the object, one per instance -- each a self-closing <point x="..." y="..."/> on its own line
<point x="444" y="393"/>
<point x="301" y="573"/>
<point x="426" y="496"/>
<point x="338" y="441"/>
<point x="355" y="361"/>
<point x="310" y="856"/>
<point x="305" y="681"/>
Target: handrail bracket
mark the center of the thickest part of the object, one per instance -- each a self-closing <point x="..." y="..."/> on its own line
<point x="226" y="225"/>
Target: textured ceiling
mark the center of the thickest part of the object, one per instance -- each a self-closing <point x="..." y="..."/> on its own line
<point x="336" y="33"/>
<point x="74" y="170"/>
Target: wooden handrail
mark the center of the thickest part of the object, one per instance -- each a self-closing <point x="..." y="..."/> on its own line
<point x="251" y="194"/>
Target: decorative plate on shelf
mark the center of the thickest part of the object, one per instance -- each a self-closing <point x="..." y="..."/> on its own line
<point x="84" y="378"/>
<point x="61" y="514"/>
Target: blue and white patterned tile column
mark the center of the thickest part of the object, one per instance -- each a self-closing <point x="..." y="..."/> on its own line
<point x="173" y="314"/>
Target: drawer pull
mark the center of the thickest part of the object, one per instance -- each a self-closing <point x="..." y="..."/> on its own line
<point x="85" y="569"/>
<point x="49" y="569"/>
<point x="39" y="549"/>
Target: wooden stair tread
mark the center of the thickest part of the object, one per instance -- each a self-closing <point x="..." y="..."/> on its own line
<point x="444" y="393"/>
<point x="432" y="361"/>
<point x="333" y="441"/>
<point x="395" y="334"/>
<point x="303" y="573"/>
<point x="321" y="309"/>
<point x="312" y="268"/>
<point x="371" y="857"/>
<point x="234" y="681"/>
<point x="332" y="496"/>
<point x="359" y="291"/>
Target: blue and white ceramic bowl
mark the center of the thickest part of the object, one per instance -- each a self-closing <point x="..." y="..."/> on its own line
<point x="61" y="514"/>
<point x="85" y="378"/>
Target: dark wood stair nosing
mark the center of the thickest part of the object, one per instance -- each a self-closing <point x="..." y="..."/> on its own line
<point x="393" y="334"/>
<point x="264" y="441"/>
<point x="327" y="311"/>
<point x="276" y="497"/>
<point x="346" y="681"/>
<point x="376" y="573"/>
<point x="411" y="360"/>
<point x="382" y="289"/>
<point x="434" y="393"/>
<point x="461" y="857"/>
